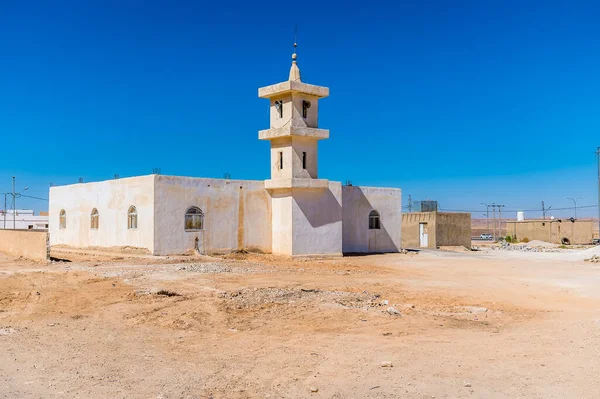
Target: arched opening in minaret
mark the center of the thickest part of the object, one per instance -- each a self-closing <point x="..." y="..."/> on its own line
<point x="305" y="107"/>
<point x="279" y="108"/>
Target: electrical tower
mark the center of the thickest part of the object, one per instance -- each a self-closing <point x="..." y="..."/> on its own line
<point x="499" y="225"/>
<point x="544" y="210"/>
<point x="410" y="203"/>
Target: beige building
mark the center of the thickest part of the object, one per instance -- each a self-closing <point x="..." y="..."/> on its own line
<point x="295" y="212"/>
<point x="557" y="231"/>
<point x="436" y="229"/>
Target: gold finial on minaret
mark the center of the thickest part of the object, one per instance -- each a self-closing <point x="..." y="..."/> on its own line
<point x="294" y="70"/>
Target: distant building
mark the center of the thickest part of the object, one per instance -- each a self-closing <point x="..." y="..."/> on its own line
<point x="24" y="219"/>
<point x="436" y="229"/>
<point x="557" y="231"/>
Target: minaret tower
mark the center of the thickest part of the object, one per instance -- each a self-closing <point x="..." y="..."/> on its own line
<point x="294" y="131"/>
<point x="299" y="199"/>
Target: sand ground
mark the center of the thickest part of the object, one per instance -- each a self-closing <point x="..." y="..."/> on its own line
<point x="487" y="324"/>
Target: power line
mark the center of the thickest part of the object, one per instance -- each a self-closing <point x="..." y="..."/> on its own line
<point x="41" y="199"/>
<point x="520" y="210"/>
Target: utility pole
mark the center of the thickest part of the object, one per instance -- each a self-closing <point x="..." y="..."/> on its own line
<point x="487" y="217"/>
<point x="575" y="202"/>
<point x="494" y="207"/>
<point x="15" y="195"/>
<point x="14" y="204"/>
<point x="500" y="217"/>
<point x="598" y="156"/>
<point x="499" y="228"/>
<point x="544" y="210"/>
<point x="409" y="203"/>
<point x="5" y="194"/>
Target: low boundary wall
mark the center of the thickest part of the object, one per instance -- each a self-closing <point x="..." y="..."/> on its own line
<point x="30" y="244"/>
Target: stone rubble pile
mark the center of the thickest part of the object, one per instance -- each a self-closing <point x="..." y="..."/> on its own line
<point x="504" y="246"/>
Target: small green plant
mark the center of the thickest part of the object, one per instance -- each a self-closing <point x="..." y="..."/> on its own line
<point x="525" y="240"/>
<point x="508" y="239"/>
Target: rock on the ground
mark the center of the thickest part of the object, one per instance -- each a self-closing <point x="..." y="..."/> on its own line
<point x="386" y="364"/>
<point x="474" y="309"/>
<point x="393" y="311"/>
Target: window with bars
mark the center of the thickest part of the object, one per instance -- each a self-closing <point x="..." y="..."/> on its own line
<point x="374" y="220"/>
<point x="194" y="219"/>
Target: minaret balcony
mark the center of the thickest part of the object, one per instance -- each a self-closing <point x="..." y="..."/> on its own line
<point x="288" y="87"/>
<point x="289" y="131"/>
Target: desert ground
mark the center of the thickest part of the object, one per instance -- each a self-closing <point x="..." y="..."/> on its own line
<point x="437" y="324"/>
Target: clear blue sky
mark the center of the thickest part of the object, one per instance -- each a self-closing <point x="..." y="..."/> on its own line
<point x="460" y="101"/>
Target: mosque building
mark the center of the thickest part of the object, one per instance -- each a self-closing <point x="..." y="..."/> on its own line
<point x="294" y="213"/>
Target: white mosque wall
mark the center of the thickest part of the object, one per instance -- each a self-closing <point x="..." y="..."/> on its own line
<point x="237" y="214"/>
<point x="112" y="199"/>
<point x="358" y="202"/>
<point x="317" y="221"/>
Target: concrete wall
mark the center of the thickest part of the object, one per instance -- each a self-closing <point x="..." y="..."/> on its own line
<point x="453" y="229"/>
<point x="317" y="221"/>
<point x="112" y="199"/>
<point x="357" y="203"/>
<point x="282" y="221"/>
<point x="237" y="214"/>
<point x="29" y="244"/>
<point x="410" y="229"/>
<point x="578" y="232"/>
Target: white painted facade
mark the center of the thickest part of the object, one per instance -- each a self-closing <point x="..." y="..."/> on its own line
<point x="294" y="213"/>
<point x="24" y="219"/>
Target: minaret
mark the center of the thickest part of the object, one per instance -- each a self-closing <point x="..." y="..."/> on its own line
<point x="299" y="199"/>
<point x="294" y="132"/>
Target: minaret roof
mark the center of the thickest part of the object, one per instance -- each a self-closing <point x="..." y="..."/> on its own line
<point x="293" y="84"/>
<point x="294" y="70"/>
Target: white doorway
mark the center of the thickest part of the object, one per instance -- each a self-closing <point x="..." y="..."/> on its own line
<point x="423" y="236"/>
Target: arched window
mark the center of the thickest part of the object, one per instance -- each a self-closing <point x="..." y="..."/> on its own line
<point x="194" y="219"/>
<point x="94" y="219"/>
<point x="132" y="218"/>
<point x="62" y="219"/>
<point x="374" y="222"/>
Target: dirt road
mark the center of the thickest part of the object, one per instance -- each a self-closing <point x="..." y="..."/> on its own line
<point x="471" y="325"/>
